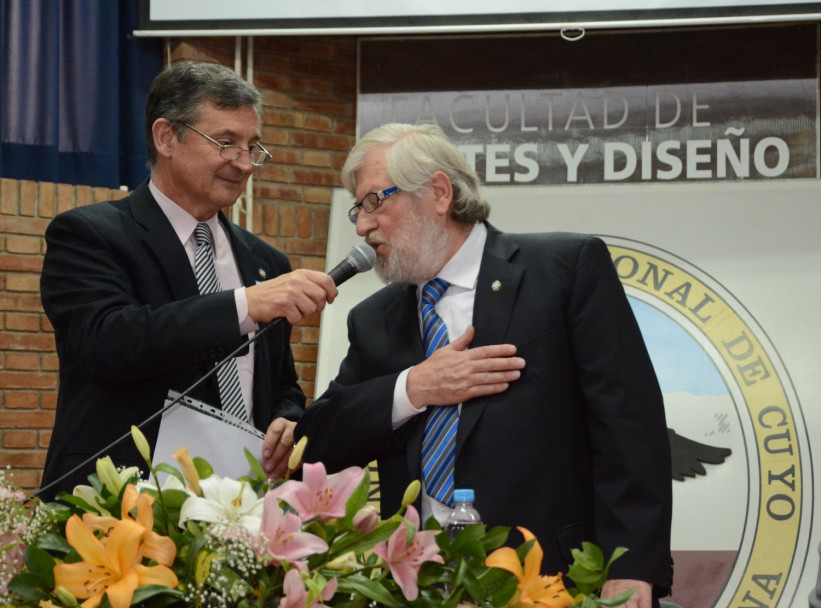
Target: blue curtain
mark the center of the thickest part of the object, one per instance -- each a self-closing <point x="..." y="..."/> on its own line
<point x="73" y="82"/>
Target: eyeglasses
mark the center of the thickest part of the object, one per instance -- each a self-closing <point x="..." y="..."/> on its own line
<point x="259" y="155"/>
<point x="370" y="202"/>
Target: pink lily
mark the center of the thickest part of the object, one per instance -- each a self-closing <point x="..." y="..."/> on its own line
<point x="318" y="495"/>
<point x="405" y="555"/>
<point x="366" y="519"/>
<point x="296" y="596"/>
<point x="284" y="539"/>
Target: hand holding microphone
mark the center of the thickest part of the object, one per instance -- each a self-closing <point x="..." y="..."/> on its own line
<point x="289" y="293"/>
<point x="301" y="293"/>
<point x="279" y="439"/>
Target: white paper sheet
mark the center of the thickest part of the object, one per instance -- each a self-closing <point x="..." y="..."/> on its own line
<point x="209" y="433"/>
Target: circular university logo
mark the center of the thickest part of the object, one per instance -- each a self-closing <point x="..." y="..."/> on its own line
<point x="743" y="507"/>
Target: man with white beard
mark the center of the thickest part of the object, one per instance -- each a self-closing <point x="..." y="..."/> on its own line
<point x="509" y="364"/>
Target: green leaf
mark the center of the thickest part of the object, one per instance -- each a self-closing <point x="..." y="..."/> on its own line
<point x="495" y="538"/>
<point x="174" y="498"/>
<point x="52" y="542"/>
<point x="470" y="533"/>
<point x="594" y="552"/>
<point x="617" y="553"/>
<point x="357" y="500"/>
<point x="459" y="572"/>
<point x="587" y="571"/>
<point x="429" y="574"/>
<point x="260" y="478"/>
<point x="504" y="594"/>
<point x="164" y="467"/>
<point x="80" y="503"/>
<point x="41" y="564"/>
<point x="370" y="589"/>
<point x="194" y="550"/>
<point x="204" y="469"/>
<point x="359" y="543"/>
<point x="589" y="601"/>
<point x="617" y="600"/>
<point x="586" y="581"/>
<point x="148" y="592"/>
<point x="473" y="586"/>
<point x="28" y="586"/>
<point x="587" y="558"/>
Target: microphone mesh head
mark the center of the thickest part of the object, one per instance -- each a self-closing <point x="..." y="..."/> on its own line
<point x="363" y="257"/>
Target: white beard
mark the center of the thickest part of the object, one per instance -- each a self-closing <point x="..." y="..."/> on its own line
<point x="418" y="251"/>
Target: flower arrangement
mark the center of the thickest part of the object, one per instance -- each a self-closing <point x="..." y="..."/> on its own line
<point x="202" y="540"/>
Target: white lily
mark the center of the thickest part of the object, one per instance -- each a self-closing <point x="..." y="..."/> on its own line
<point x="170" y="483"/>
<point x="92" y="497"/>
<point x="226" y="501"/>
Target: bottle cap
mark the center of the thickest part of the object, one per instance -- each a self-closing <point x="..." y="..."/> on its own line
<point x="463" y="495"/>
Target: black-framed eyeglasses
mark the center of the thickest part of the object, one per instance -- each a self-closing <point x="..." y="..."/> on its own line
<point x="259" y="155"/>
<point x="370" y="202"/>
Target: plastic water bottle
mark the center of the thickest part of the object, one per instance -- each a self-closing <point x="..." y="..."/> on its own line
<point x="464" y="513"/>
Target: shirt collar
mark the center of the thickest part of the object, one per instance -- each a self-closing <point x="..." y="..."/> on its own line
<point x="462" y="269"/>
<point x="182" y="222"/>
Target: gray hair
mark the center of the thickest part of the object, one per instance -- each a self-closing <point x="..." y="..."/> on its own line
<point x="414" y="154"/>
<point x="179" y="92"/>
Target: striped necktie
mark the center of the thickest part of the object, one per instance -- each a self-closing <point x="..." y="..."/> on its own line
<point x="207" y="281"/>
<point x="439" y="440"/>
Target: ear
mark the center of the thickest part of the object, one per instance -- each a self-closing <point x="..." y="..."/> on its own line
<point x="442" y="191"/>
<point x="164" y="137"/>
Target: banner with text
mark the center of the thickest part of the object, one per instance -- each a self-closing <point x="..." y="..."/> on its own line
<point x="654" y="107"/>
<point x="710" y="131"/>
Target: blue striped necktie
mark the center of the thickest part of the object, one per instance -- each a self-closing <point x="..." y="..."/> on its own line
<point x="207" y="281"/>
<point x="439" y="440"/>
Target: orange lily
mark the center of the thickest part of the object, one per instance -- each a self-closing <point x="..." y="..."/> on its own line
<point x="534" y="589"/>
<point x="112" y="568"/>
<point x="189" y="469"/>
<point x="154" y="546"/>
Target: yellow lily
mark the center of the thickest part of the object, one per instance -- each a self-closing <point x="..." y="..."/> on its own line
<point x="534" y="589"/>
<point x="189" y="470"/>
<point x="142" y="443"/>
<point x="295" y="460"/>
<point x="154" y="546"/>
<point x="411" y="493"/>
<point x="113" y="568"/>
<point x="109" y="475"/>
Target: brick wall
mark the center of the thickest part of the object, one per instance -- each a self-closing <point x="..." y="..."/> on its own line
<point x="28" y="362"/>
<point x="309" y="94"/>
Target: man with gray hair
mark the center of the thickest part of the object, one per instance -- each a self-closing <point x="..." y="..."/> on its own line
<point x="510" y="364"/>
<point x="147" y="293"/>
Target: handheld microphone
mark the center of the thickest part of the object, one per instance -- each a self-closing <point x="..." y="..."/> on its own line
<point x="360" y="259"/>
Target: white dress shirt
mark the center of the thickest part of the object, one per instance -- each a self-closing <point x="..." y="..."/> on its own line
<point x="225" y="263"/>
<point x="456" y="309"/>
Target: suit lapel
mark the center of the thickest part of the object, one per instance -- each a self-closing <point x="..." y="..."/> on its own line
<point x="251" y="268"/>
<point x="402" y="329"/>
<point x="404" y="344"/>
<point x="497" y="287"/>
<point x="163" y="241"/>
<point x="492" y="311"/>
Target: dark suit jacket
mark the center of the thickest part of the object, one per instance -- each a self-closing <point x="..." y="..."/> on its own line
<point x="130" y="324"/>
<point x="575" y="450"/>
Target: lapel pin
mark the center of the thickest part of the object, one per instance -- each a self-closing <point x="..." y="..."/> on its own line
<point x="262" y="273"/>
<point x="496" y="285"/>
